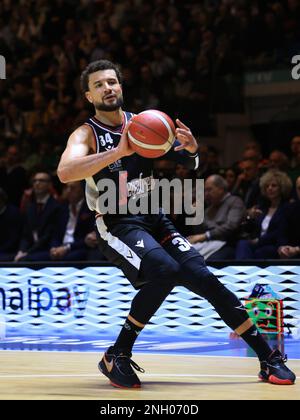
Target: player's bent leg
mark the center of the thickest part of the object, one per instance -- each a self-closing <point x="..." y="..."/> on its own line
<point x="160" y="273"/>
<point x="195" y="276"/>
<point x="199" y="280"/>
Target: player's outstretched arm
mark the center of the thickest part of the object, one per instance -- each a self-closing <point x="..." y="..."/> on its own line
<point x="79" y="160"/>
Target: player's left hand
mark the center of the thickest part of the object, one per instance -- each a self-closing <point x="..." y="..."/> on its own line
<point x="185" y="137"/>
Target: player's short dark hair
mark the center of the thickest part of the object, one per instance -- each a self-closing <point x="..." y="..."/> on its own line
<point x="96" y="66"/>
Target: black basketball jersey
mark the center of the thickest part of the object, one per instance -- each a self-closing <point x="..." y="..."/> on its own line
<point x="137" y="169"/>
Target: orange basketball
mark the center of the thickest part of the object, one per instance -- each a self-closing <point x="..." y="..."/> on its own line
<point x="151" y="133"/>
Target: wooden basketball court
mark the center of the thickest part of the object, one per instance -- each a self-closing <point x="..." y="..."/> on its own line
<point x="70" y="375"/>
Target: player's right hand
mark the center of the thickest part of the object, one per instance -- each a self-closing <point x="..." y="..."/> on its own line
<point x="124" y="148"/>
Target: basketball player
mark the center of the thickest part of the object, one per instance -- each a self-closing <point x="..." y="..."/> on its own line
<point x="152" y="254"/>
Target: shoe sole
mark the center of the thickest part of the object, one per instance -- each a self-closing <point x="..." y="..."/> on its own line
<point x="276" y="381"/>
<point x="102" y="368"/>
<point x="136" y="386"/>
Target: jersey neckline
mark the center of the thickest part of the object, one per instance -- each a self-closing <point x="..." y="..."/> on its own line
<point x="119" y="127"/>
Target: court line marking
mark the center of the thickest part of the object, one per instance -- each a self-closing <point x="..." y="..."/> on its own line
<point x="138" y="353"/>
<point x="86" y="375"/>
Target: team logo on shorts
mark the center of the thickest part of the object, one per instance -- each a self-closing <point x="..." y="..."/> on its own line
<point x="140" y="244"/>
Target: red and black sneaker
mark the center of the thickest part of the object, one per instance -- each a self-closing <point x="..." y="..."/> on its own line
<point x="117" y="366"/>
<point x="275" y="371"/>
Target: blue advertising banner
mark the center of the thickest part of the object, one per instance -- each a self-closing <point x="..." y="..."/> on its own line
<point x="94" y="300"/>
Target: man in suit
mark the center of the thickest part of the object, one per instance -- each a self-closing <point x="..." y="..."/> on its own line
<point x="247" y="184"/>
<point x="216" y="237"/>
<point x="13" y="177"/>
<point x="40" y="220"/>
<point x="290" y="229"/>
<point x="10" y="228"/>
<point x="75" y="223"/>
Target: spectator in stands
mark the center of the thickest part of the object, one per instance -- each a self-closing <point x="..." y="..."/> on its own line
<point x="267" y="220"/>
<point x="278" y="160"/>
<point x="40" y="221"/>
<point x="75" y="223"/>
<point x="253" y="147"/>
<point x="148" y="92"/>
<point x="46" y="153"/>
<point x="252" y="151"/>
<point x="291" y="228"/>
<point x="292" y="250"/>
<point x="231" y="174"/>
<point x="213" y="156"/>
<point x="10" y="228"/>
<point x="209" y="162"/>
<point x="294" y="172"/>
<point x="19" y="95"/>
<point x="93" y="253"/>
<point x="39" y="114"/>
<point x="247" y="184"/>
<point x="252" y="155"/>
<point x="295" y="149"/>
<point x="164" y="168"/>
<point x="48" y="43"/>
<point x="203" y="165"/>
<point x="13" y="177"/>
<point x="14" y="124"/>
<point x="217" y="236"/>
<point x="182" y="172"/>
<point x="161" y="64"/>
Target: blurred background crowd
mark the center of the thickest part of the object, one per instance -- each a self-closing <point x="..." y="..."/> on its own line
<point x="187" y="58"/>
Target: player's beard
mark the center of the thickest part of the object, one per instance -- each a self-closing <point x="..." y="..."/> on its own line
<point x="101" y="106"/>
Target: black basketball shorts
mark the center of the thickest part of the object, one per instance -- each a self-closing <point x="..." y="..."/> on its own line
<point x="126" y="241"/>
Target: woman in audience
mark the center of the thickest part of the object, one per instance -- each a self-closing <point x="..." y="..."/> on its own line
<point x="265" y="221"/>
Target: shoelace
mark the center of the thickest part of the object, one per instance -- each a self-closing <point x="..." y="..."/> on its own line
<point x="136" y="366"/>
<point x="126" y="359"/>
<point x="280" y="359"/>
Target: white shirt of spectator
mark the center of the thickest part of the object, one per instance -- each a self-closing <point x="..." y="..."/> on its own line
<point x="42" y="201"/>
<point x="265" y="224"/>
<point x="69" y="234"/>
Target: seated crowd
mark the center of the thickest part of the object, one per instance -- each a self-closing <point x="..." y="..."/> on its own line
<point x="251" y="209"/>
<point x="46" y="227"/>
<point x="48" y="44"/>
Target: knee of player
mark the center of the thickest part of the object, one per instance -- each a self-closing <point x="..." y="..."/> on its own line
<point x="161" y="271"/>
<point x="169" y="273"/>
<point x="196" y="270"/>
<point x="202" y="281"/>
